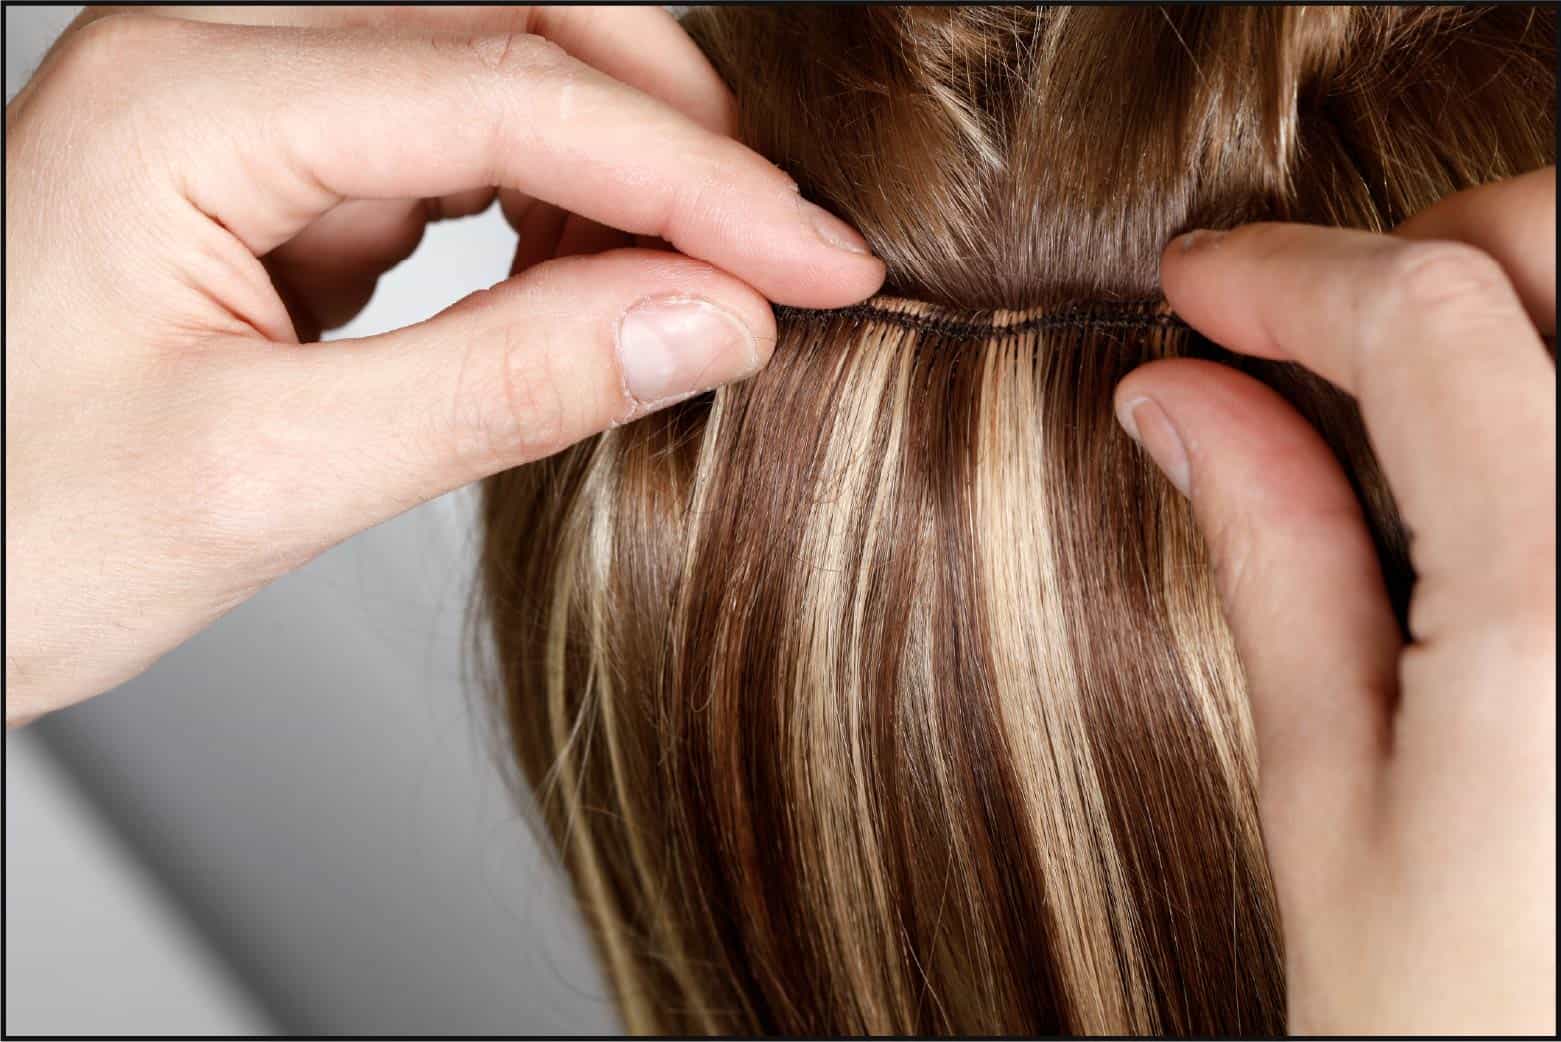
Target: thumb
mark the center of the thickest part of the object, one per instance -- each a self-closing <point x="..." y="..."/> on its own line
<point x="360" y="430"/>
<point x="1300" y="583"/>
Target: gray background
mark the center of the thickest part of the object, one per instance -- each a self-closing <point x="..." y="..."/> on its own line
<point x="293" y="822"/>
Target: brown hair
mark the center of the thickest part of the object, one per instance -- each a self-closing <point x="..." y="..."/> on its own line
<point x="889" y="690"/>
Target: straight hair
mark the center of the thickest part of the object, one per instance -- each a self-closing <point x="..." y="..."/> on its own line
<point x="889" y="691"/>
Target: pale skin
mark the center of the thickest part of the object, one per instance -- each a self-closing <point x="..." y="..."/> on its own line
<point x="191" y="201"/>
<point x="1408" y="789"/>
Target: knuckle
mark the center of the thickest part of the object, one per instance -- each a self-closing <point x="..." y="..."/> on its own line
<point x="1441" y="281"/>
<point x="1442" y="294"/>
<point x="105" y="50"/>
<point x="1231" y="551"/>
<point x="496" y="62"/>
<point x="533" y="420"/>
<point x="518" y="53"/>
<point x="510" y="404"/>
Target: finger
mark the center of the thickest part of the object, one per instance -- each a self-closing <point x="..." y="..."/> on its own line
<point x="1456" y="391"/>
<point x="506" y="376"/>
<point x="646" y="48"/>
<point x="338" y="108"/>
<point x="641" y="46"/>
<point x="1515" y="222"/>
<point x="1299" y="579"/>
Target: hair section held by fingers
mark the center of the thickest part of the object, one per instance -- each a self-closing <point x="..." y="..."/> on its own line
<point x="889" y="691"/>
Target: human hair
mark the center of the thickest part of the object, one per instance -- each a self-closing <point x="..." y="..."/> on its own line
<point x="889" y="691"/>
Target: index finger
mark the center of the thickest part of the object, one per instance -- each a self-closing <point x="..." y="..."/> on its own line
<point x="302" y="119"/>
<point x="1455" y="387"/>
<point x="1513" y="220"/>
<point x="642" y="46"/>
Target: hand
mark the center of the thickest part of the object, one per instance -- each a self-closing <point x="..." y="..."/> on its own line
<point x="187" y="201"/>
<point x="1408" y="791"/>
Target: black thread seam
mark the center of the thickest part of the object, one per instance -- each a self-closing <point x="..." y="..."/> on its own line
<point x="1116" y="316"/>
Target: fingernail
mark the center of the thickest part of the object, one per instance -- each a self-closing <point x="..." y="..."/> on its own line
<point x="1198" y="239"/>
<point x="1146" y="423"/>
<point x="832" y="229"/>
<point x="671" y="347"/>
